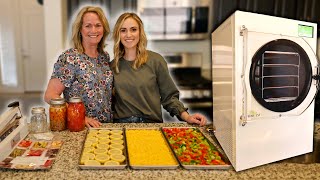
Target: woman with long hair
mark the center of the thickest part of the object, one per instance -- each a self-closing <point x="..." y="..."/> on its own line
<point x="142" y="82"/>
<point x="84" y="70"/>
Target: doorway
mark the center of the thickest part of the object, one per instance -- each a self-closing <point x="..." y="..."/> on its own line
<point x="22" y="47"/>
<point x="33" y="45"/>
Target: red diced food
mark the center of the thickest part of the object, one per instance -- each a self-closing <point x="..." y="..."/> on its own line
<point x="35" y="152"/>
<point x="191" y="147"/>
<point x="25" y="143"/>
<point x="48" y="163"/>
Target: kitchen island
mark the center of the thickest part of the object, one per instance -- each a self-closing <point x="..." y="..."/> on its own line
<point x="66" y="165"/>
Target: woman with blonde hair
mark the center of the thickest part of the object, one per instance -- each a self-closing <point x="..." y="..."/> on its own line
<point x="84" y="70"/>
<point x="142" y="82"/>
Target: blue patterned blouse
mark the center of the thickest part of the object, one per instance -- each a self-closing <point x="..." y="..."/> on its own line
<point x="89" y="78"/>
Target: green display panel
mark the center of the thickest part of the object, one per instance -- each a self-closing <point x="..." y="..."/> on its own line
<point x="305" y="31"/>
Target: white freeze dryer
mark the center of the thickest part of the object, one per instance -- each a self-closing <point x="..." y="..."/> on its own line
<point x="264" y="72"/>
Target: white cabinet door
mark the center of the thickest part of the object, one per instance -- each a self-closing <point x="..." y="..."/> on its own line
<point x="33" y="45"/>
<point x="9" y="47"/>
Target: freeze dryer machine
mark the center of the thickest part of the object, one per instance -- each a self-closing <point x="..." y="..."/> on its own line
<point x="265" y="78"/>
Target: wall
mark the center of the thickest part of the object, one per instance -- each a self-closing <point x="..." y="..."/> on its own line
<point x="55" y="36"/>
<point x="10" y="48"/>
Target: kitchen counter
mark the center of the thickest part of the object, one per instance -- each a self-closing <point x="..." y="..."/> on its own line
<point x="66" y="165"/>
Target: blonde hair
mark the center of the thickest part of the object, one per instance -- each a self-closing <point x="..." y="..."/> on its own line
<point x="77" y="25"/>
<point x="118" y="48"/>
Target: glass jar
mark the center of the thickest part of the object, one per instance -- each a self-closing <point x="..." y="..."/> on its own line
<point x="58" y="114"/>
<point x="38" y="120"/>
<point x="76" y="114"/>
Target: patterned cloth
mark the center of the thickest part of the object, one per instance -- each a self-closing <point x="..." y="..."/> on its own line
<point x="89" y="78"/>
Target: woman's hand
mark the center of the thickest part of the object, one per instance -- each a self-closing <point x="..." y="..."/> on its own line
<point x="194" y="118"/>
<point x="90" y="122"/>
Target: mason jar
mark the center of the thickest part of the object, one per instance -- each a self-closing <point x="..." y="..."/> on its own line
<point x="76" y="114"/>
<point x="38" y="122"/>
<point x="58" y="114"/>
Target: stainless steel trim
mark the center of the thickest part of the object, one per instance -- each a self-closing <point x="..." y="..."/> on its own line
<point x="198" y="104"/>
<point x="193" y="19"/>
<point x="280" y="52"/>
<point x="178" y="36"/>
<point x="186" y="3"/>
<point x="188" y="60"/>
<point x="195" y="94"/>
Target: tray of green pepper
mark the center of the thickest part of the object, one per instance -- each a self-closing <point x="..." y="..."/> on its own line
<point x="193" y="150"/>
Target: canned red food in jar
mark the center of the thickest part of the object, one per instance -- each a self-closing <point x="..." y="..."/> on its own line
<point x="58" y="114"/>
<point x="76" y="114"/>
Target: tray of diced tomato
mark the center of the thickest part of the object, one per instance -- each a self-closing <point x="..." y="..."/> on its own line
<point x="193" y="150"/>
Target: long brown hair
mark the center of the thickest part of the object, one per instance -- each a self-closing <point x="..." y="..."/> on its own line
<point x="77" y="25"/>
<point x="118" y="48"/>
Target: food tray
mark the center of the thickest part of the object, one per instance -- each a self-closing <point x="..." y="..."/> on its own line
<point x="96" y="136"/>
<point x="134" y="139"/>
<point x="192" y="149"/>
<point x="30" y="154"/>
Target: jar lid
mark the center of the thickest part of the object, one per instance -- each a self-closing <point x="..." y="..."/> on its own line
<point x="37" y="110"/>
<point x="75" y="99"/>
<point x="57" y="101"/>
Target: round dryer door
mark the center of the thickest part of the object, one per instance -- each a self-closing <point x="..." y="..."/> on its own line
<point x="281" y="75"/>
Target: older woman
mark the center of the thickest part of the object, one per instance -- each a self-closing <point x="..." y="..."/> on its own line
<point x="142" y="82"/>
<point x="84" y="69"/>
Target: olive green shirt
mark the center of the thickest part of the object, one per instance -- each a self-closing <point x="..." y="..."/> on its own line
<point x="141" y="92"/>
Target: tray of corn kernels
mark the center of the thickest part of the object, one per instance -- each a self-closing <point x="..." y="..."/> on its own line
<point x="104" y="148"/>
<point x="147" y="149"/>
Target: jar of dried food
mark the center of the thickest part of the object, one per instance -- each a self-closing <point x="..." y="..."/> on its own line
<point x="58" y="114"/>
<point x="76" y="114"/>
<point x="38" y="122"/>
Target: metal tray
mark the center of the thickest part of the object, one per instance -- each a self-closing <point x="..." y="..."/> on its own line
<point x="223" y="157"/>
<point x="121" y="166"/>
<point x="151" y="166"/>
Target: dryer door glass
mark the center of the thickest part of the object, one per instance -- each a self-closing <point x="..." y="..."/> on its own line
<point x="280" y="75"/>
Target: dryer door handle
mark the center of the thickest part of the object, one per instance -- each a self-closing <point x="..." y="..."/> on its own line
<point x="244" y="116"/>
<point x="317" y="75"/>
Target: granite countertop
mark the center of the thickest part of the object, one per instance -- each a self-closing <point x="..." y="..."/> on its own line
<point x="66" y="165"/>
